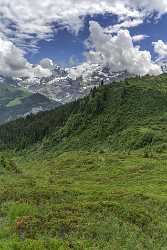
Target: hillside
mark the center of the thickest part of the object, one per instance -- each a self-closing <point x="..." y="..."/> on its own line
<point x="16" y="102"/>
<point x="89" y="175"/>
<point x="122" y="116"/>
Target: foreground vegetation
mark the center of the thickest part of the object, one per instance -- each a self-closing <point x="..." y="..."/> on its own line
<point x="83" y="200"/>
<point x="89" y="175"/>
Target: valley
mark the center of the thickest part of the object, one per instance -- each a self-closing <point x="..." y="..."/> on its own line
<point x="18" y="102"/>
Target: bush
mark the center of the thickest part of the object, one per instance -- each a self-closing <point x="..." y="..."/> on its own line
<point x="148" y="152"/>
<point x="15" y="210"/>
<point x="161" y="148"/>
<point x="8" y="165"/>
<point x="145" y="140"/>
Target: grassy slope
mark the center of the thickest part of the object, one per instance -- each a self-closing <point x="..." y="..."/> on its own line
<point x="134" y="116"/>
<point x="82" y="200"/>
<point x="73" y="197"/>
<point x="16" y="102"/>
<point x="9" y="93"/>
<point x="125" y="116"/>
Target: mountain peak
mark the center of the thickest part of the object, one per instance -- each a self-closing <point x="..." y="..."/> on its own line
<point x="68" y="84"/>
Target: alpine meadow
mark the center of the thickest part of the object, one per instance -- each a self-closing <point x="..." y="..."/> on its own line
<point x="90" y="174"/>
<point x="83" y="125"/>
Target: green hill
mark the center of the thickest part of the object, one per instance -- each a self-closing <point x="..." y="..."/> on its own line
<point x="122" y="116"/>
<point x="16" y="102"/>
<point x="90" y="174"/>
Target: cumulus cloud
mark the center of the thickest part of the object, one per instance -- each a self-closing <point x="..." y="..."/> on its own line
<point x="46" y="63"/>
<point x="118" y="52"/>
<point x="83" y="70"/>
<point x="26" y="22"/>
<point x="34" y="20"/>
<point x="160" y="48"/>
<point x="149" y="6"/>
<point x="39" y="71"/>
<point x="12" y="61"/>
<point x="14" y="64"/>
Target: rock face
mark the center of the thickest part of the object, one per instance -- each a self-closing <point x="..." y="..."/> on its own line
<point x="65" y="85"/>
<point x="163" y="65"/>
<point x="22" y="96"/>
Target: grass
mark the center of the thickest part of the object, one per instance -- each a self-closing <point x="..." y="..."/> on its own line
<point x="18" y="99"/>
<point x="14" y="102"/>
<point x="90" y="175"/>
<point x="84" y="200"/>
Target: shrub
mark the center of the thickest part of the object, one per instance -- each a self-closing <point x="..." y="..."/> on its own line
<point x="9" y="165"/>
<point x="161" y="148"/>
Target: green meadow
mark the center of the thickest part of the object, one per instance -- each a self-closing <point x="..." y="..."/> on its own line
<point x="90" y="175"/>
<point x="82" y="200"/>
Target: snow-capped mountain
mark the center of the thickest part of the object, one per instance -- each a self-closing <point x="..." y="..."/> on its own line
<point x="67" y="84"/>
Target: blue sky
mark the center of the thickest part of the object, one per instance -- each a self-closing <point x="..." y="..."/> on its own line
<point x="123" y="34"/>
<point x="66" y="44"/>
<point x="154" y="29"/>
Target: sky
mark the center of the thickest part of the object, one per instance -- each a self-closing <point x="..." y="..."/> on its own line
<point x="66" y="45"/>
<point x="122" y="34"/>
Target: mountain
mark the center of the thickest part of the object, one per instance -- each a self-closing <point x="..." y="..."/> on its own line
<point x="63" y="86"/>
<point x="16" y="102"/>
<point x="90" y="174"/>
<point x="128" y="115"/>
<point x="69" y="84"/>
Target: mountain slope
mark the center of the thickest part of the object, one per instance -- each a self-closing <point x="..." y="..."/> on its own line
<point x="62" y="187"/>
<point x="68" y="190"/>
<point x="16" y="102"/>
<point x="68" y="84"/>
<point x="128" y="115"/>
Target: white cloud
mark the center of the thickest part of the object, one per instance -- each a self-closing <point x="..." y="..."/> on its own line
<point x="14" y="64"/>
<point x="46" y="63"/>
<point x="139" y="38"/>
<point x="129" y="23"/>
<point x="149" y="6"/>
<point x="12" y="61"/>
<point x="160" y="48"/>
<point x="85" y="70"/>
<point x="34" y="19"/>
<point x="26" y="22"/>
<point x="39" y="71"/>
<point x="118" y="52"/>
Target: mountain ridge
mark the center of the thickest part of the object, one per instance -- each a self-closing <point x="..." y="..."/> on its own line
<point x="67" y="84"/>
<point x="63" y="86"/>
<point x="123" y="115"/>
<point x="90" y="174"/>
